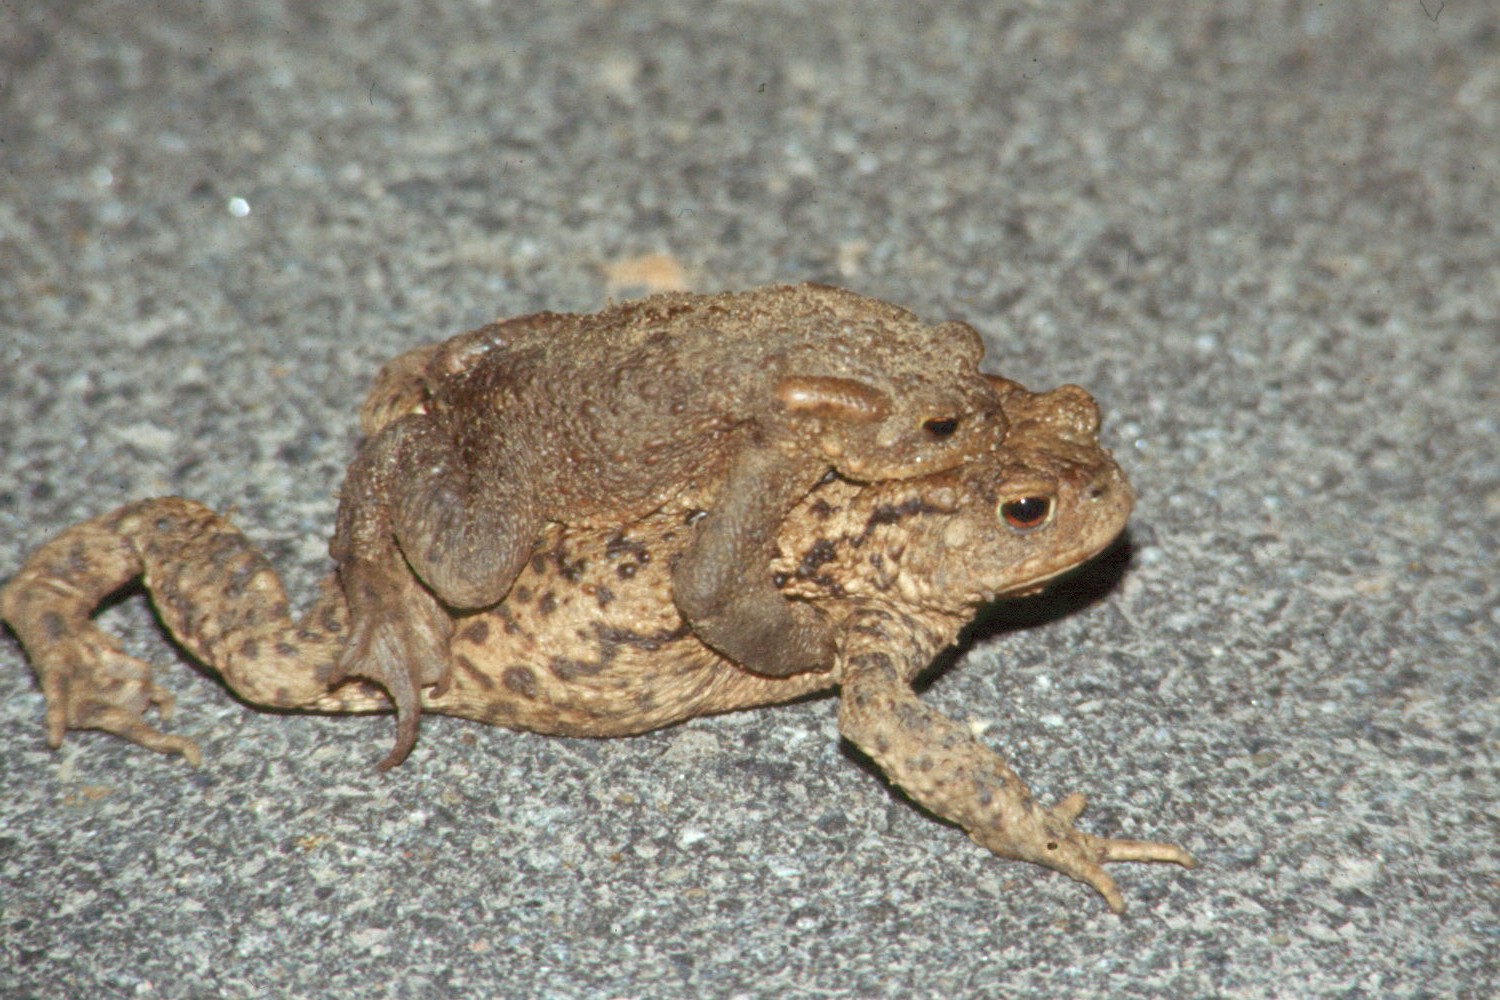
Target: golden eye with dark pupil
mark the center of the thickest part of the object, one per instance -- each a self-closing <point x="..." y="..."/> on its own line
<point x="941" y="427"/>
<point x="1027" y="512"/>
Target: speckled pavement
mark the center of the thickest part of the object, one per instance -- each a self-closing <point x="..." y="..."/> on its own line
<point x="1264" y="235"/>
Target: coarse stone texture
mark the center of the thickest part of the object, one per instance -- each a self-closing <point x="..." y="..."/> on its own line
<point x="1263" y="235"/>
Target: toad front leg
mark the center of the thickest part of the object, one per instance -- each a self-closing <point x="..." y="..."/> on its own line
<point x="722" y="585"/>
<point x="948" y="771"/>
<point x="411" y="539"/>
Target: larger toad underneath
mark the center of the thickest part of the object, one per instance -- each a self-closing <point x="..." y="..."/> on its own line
<point x="742" y="399"/>
<point x="590" y="643"/>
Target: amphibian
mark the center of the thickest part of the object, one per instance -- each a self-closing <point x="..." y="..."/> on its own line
<point x="742" y="399"/>
<point x="589" y="641"/>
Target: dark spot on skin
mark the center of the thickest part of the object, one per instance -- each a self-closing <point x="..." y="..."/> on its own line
<point x="648" y="641"/>
<point x="283" y="695"/>
<point x="625" y="571"/>
<point x="521" y="595"/>
<point x="820" y="508"/>
<point x="619" y="546"/>
<point x="558" y="559"/>
<point x="778" y="580"/>
<point x="953" y="739"/>
<point x="78" y="560"/>
<point x="286" y="650"/>
<point x="520" y="680"/>
<point x="878" y="666"/>
<point x="624" y="637"/>
<point x="472" y="671"/>
<point x="331" y="621"/>
<point x="53" y="626"/>
<point x="911" y="717"/>
<point x="822" y="551"/>
<point x="477" y="632"/>
<point x="508" y="619"/>
<point x="644" y="700"/>
<point x="249" y="649"/>
<point x="894" y="514"/>
<point x="239" y="580"/>
<point x="566" y="668"/>
<point x="162" y="525"/>
<point x="539" y="564"/>
<point x="187" y="622"/>
<point x="604" y="595"/>
<point x="547" y="604"/>
<point x="221" y="549"/>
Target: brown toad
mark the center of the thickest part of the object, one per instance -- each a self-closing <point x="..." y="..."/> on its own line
<point x="742" y="399"/>
<point x="590" y="643"/>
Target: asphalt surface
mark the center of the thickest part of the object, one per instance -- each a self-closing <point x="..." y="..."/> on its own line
<point x="1262" y="234"/>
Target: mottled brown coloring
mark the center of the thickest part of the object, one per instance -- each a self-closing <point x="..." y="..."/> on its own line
<point x="745" y="400"/>
<point x="911" y="559"/>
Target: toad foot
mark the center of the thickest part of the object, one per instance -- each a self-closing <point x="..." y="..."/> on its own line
<point x="1048" y="837"/>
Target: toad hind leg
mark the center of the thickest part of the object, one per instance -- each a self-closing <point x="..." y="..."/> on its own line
<point x="218" y="597"/>
<point x="949" y="772"/>
<point x="722" y="584"/>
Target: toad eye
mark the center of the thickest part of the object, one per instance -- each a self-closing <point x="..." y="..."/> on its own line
<point x="1026" y="513"/>
<point x="940" y="427"/>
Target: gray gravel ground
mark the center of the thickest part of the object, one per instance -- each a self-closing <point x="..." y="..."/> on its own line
<point x="1263" y="234"/>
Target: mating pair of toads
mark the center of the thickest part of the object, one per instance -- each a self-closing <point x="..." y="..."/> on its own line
<point x="600" y="525"/>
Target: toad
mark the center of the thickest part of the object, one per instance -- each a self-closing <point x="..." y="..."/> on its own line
<point x="589" y="641"/>
<point x="742" y="399"/>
